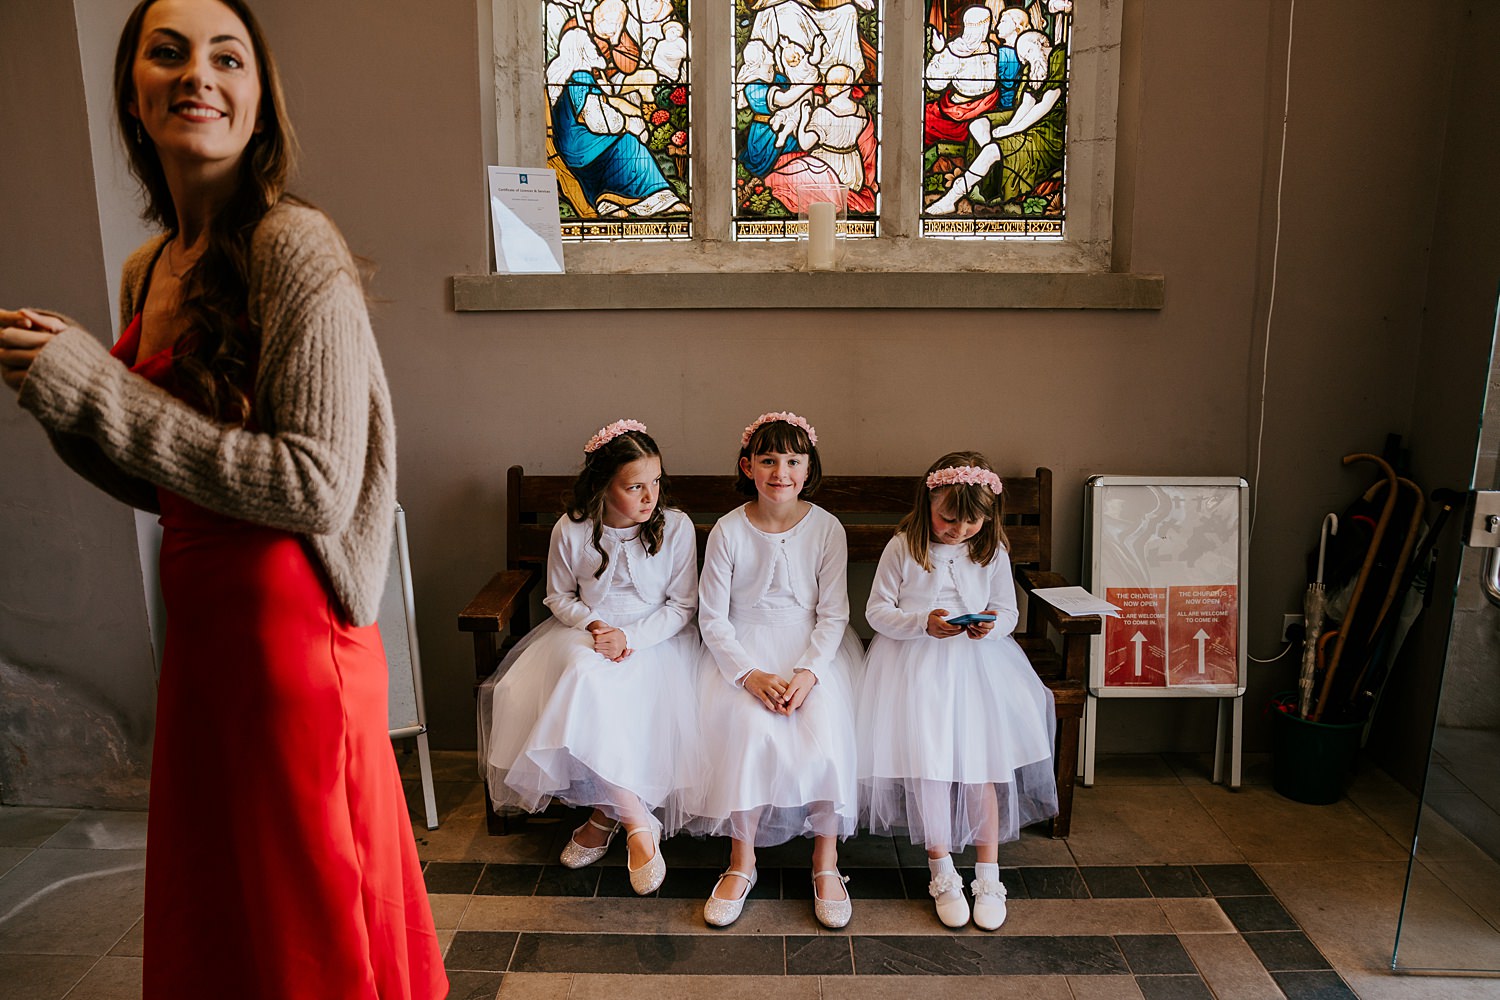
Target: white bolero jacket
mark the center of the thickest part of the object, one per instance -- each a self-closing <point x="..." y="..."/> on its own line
<point x="668" y="579"/>
<point x="904" y="593"/>
<point x="738" y="568"/>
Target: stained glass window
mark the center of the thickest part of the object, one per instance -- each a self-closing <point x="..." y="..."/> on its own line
<point x="806" y="114"/>
<point x="994" y="118"/>
<point x="618" y="82"/>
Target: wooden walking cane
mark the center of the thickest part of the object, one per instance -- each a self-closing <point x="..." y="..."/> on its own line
<point x="1364" y="574"/>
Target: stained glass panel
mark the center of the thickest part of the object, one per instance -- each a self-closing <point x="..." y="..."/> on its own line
<point x="995" y="118"/>
<point x="619" y="97"/>
<point x="806" y="113"/>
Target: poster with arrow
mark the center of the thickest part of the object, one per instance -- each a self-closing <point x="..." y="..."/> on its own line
<point x="1135" y="642"/>
<point x="1203" y="623"/>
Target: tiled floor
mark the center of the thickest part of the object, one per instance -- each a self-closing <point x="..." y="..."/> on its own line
<point x="1170" y="887"/>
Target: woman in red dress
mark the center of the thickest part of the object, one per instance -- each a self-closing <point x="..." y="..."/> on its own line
<point x="245" y="402"/>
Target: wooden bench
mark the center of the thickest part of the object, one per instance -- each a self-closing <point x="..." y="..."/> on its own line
<point x="869" y="507"/>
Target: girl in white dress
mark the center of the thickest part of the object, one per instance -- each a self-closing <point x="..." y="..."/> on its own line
<point x="777" y="678"/>
<point x="593" y="705"/>
<point x="955" y="728"/>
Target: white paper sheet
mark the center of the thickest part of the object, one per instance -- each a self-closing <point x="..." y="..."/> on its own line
<point x="523" y="215"/>
<point x="1075" y="601"/>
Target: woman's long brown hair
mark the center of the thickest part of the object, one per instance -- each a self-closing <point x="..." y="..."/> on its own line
<point x="214" y="364"/>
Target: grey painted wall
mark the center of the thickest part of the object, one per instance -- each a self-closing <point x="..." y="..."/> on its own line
<point x="388" y="99"/>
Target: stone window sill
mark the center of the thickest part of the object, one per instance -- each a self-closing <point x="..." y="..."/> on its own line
<point x="807" y="290"/>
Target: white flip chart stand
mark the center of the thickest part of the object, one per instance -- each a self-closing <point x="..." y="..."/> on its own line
<point x="398" y="633"/>
<point x="1172" y="554"/>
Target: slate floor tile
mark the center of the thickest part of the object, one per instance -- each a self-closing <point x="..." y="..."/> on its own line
<point x="1173" y="881"/>
<point x="987" y="956"/>
<point x="1173" y="988"/>
<point x="452" y="877"/>
<point x="1054" y="883"/>
<point x="1232" y="880"/>
<point x="1286" y="951"/>
<point x="823" y="955"/>
<point x="558" y="880"/>
<point x="1114" y="882"/>
<point x="1155" y="954"/>
<point x="652" y="954"/>
<point x="872" y="883"/>
<point x="1313" y="986"/>
<point x="614" y="881"/>
<point x="1257" y="913"/>
<point x="481" y="951"/>
<point x="474" y="985"/>
<point x="508" y="880"/>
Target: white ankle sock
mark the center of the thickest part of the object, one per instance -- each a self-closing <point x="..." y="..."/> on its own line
<point x="938" y="866"/>
<point x="985" y="869"/>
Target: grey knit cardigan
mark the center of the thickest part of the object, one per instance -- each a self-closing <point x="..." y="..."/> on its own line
<point x="322" y="459"/>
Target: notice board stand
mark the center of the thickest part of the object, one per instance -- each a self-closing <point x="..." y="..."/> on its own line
<point x="1172" y="554"/>
<point x="398" y="634"/>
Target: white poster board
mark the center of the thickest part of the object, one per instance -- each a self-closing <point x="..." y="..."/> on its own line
<point x="1172" y="553"/>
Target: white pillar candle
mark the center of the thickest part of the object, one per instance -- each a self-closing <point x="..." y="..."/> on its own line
<point x="820" y="216"/>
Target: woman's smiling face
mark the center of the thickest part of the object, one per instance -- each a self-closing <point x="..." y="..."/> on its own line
<point x="196" y="84"/>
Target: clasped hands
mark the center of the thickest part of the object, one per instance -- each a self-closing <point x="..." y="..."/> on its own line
<point x="23" y="334"/>
<point x="609" y="642"/>
<point x="778" y="694"/>
<point x="939" y="628"/>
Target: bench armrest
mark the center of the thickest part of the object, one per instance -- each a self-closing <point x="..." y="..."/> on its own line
<point x="1065" y="624"/>
<point x="492" y="608"/>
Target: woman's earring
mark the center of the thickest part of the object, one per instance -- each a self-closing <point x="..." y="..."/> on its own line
<point x="140" y="137"/>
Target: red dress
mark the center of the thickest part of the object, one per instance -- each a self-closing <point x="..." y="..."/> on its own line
<point x="280" y="861"/>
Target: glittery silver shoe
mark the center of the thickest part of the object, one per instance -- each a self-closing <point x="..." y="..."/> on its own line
<point x="648" y="877"/>
<point x="575" y="855"/>
<point x="989" y="903"/>
<point x="723" y="912"/>
<point x="948" y="890"/>
<point x="832" y="913"/>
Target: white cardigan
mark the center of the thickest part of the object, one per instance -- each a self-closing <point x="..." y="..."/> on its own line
<point x="668" y="579"/>
<point x="737" y="572"/>
<point x="904" y="593"/>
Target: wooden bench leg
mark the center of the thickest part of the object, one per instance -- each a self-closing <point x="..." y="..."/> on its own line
<point x="1067" y="766"/>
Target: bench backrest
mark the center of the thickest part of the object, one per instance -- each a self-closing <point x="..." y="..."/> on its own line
<point x="868" y="507"/>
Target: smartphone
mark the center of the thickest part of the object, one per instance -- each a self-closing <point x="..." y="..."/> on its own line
<point x="971" y="619"/>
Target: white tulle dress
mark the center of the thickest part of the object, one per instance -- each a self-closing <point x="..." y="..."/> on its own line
<point x="779" y="603"/>
<point x="558" y="720"/>
<point x="956" y="734"/>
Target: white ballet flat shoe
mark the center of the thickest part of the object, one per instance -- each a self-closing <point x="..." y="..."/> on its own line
<point x="832" y="913"/>
<point x="719" y="912"/>
<point x="989" y="903"/>
<point x="948" y="890"/>
<point x="648" y="877"/>
<point x="575" y="855"/>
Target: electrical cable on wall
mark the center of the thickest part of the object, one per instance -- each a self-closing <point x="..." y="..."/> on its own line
<point x="1265" y="362"/>
<point x="1260" y="436"/>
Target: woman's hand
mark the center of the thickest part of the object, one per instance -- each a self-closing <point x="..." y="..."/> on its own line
<point x="981" y="629"/>
<point x="768" y="689"/>
<point x="23" y="334"/>
<point x="938" y="627"/>
<point x="609" y="642"/>
<point x="797" y="691"/>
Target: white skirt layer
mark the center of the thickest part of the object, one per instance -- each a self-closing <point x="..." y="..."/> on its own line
<point x="766" y="777"/>
<point x="956" y="741"/>
<point x="558" y="720"/>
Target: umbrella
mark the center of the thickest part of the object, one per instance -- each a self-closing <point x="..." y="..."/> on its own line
<point x="1312" y="614"/>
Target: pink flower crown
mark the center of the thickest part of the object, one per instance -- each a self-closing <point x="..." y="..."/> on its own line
<point x="784" y="417"/>
<point x="965" y="475"/>
<point x="609" y="432"/>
